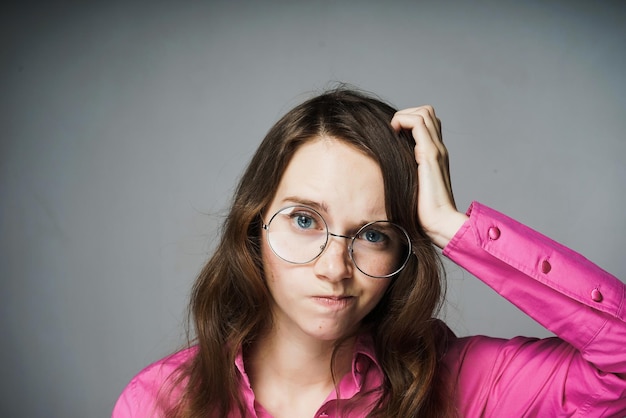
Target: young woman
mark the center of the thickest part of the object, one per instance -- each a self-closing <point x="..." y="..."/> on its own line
<point x="321" y="296"/>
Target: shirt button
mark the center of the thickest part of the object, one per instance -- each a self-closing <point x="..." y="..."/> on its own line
<point x="596" y="295"/>
<point x="494" y="233"/>
<point x="358" y="367"/>
<point x="545" y="267"/>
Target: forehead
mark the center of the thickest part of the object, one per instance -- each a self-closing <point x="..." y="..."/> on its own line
<point x="340" y="179"/>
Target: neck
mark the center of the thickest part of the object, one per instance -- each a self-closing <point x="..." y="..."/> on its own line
<point x="297" y="362"/>
<point x="291" y="375"/>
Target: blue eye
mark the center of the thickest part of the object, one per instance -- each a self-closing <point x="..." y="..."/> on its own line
<point x="371" y="235"/>
<point x="304" y="222"/>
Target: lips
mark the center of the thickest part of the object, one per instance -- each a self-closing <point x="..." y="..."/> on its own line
<point x="333" y="301"/>
<point x="333" y="297"/>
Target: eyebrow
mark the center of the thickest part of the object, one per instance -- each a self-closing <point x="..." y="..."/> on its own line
<point x="322" y="207"/>
<point x="319" y="206"/>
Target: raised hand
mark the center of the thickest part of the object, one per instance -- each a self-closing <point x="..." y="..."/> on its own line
<point x="436" y="208"/>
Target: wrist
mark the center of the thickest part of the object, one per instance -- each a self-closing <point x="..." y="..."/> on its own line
<point x="446" y="229"/>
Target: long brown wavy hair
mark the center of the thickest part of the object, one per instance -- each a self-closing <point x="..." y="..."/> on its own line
<point x="230" y="302"/>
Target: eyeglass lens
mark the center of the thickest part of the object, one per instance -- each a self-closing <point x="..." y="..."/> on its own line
<point x="299" y="234"/>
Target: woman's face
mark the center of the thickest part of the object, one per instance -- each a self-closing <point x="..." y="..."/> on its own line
<point x="326" y="298"/>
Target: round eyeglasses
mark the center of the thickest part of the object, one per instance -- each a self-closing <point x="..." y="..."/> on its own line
<point x="299" y="234"/>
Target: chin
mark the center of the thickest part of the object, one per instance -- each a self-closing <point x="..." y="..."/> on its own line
<point x="327" y="332"/>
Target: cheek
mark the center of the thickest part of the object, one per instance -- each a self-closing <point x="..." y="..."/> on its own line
<point x="376" y="292"/>
<point x="276" y="273"/>
<point x="381" y="290"/>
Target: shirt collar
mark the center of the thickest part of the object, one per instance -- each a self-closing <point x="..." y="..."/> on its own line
<point x="366" y="372"/>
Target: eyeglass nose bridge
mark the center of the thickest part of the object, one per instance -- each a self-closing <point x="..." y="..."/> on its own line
<point x="332" y="234"/>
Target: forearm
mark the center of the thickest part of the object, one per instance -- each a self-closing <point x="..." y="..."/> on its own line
<point x="572" y="297"/>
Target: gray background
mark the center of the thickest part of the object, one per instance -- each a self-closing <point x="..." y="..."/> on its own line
<point x="125" y="125"/>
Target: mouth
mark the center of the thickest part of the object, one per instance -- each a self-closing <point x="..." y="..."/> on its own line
<point x="335" y="302"/>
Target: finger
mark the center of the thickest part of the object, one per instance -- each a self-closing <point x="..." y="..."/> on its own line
<point x="410" y="119"/>
<point x="414" y="122"/>
<point x="421" y="124"/>
<point x="411" y="111"/>
<point x="430" y="119"/>
<point x="434" y="126"/>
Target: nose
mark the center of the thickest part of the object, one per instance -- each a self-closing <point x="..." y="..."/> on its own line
<point x="334" y="263"/>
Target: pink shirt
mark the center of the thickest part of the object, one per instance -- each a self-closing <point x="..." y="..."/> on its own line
<point x="582" y="373"/>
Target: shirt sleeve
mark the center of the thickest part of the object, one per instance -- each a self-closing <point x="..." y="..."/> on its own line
<point x="149" y="393"/>
<point x="139" y="397"/>
<point x="137" y="400"/>
<point x="582" y="372"/>
<point x="127" y="404"/>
